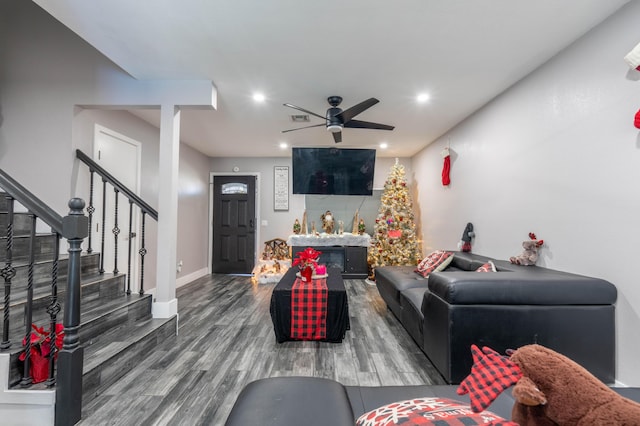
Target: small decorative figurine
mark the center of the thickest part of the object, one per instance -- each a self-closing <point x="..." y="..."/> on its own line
<point x="361" y="227"/>
<point x="296" y="227"/>
<point x="340" y="227"/>
<point x="356" y="217"/>
<point x="305" y="226"/>
<point x="327" y="222"/>
<point x="313" y="227"/>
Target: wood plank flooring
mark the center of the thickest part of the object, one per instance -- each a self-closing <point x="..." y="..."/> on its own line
<point x="226" y="340"/>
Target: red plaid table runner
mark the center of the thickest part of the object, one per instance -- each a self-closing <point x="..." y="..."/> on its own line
<point x="309" y="309"/>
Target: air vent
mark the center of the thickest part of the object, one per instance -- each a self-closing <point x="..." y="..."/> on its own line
<point x="300" y="118"/>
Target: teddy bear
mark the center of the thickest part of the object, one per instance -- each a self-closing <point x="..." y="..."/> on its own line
<point x="550" y="389"/>
<point x="530" y="254"/>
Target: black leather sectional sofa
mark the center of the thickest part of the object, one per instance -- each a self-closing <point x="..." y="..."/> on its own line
<point x="312" y="401"/>
<point x="515" y="306"/>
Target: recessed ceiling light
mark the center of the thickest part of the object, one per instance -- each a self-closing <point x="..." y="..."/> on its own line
<point x="258" y="97"/>
<point x="384" y="145"/>
<point x="423" y="97"/>
<point x="283" y="145"/>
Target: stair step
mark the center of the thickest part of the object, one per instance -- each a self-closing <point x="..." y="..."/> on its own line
<point x="96" y="288"/>
<point x="97" y="318"/>
<point x="21" y="222"/>
<point x="109" y="360"/>
<point x="42" y="270"/>
<point x="20" y="251"/>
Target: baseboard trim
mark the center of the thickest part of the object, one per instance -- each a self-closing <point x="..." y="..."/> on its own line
<point x="191" y="277"/>
<point x="164" y="309"/>
<point x="31" y="407"/>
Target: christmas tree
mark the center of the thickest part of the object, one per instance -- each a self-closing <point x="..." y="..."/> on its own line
<point x="394" y="239"/>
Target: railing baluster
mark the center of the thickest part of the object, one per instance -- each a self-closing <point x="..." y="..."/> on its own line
<point x="90" y="210"/>
<point x="26" y="376"/>
<point x="104" y="218"/>
<point x="8" y="272"/>
<point x="115" y="231"/>
<point x="53" y="309"/>
<point x="129" y="252"/>
<point x="142" y="252"/>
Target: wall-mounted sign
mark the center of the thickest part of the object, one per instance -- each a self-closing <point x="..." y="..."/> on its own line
<point x="281" y="188"/>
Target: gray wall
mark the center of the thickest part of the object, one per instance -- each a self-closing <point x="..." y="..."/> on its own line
<point x="558" y="155"/>
<point x="279" y="223"/>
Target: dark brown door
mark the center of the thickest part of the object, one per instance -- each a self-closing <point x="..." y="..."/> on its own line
<point x="234" y="217"/>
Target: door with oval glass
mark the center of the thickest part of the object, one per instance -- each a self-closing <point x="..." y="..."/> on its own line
<point x="234" y="217"/>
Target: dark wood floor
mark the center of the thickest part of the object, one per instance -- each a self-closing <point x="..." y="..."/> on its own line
<point x="226" y="340"/>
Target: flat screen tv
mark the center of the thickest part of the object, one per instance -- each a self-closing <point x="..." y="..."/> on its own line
<point x="333" y="171"/>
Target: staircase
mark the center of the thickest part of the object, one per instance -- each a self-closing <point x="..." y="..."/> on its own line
<point x="116" y="329"/>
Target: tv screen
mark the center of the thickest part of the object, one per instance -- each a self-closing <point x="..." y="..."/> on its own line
<point x="333" y="171"/>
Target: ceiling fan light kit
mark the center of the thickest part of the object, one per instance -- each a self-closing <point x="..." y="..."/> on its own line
<point x="337" y="119"/>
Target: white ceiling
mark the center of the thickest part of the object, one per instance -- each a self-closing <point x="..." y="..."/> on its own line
<point x="462" y="52"/>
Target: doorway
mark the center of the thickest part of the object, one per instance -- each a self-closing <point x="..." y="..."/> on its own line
<point x="121" y="157"/>
<point x="234" y="224"/>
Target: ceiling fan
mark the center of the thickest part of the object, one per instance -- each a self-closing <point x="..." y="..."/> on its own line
<point x="336" y="118"/>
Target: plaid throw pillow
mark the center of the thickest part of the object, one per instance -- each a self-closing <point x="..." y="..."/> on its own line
<point x="428" y="411"/>
<point x="491" y="374"/>
<point x="487" y="267"/>
<point x="436" y="261"/>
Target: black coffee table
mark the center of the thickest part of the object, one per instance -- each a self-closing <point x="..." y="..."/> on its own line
<point x="337" y="307"/>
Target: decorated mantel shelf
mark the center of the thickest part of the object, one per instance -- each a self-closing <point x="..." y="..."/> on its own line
<point x="323" y="240"/>
<point x="346" y="251"/>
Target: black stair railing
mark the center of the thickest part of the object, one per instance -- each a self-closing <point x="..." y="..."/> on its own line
<point x="36" y="209"/>
<point x="135" y="203"/>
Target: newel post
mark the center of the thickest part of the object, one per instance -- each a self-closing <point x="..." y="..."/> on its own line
<point x="70" y="358"/>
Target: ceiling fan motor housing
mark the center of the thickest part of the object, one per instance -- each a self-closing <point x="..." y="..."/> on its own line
<point x="334" y="124"/>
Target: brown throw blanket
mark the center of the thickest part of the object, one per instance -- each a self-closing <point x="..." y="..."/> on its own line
<point x="309" y="309"/>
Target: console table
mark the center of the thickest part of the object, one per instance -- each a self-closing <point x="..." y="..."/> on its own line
<point x="347" y="252"/>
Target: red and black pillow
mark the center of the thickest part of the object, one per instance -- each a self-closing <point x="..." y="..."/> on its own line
<point x="434" y="262"/>
<point x="429" y="411"/>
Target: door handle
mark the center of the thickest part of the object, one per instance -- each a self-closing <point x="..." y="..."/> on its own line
<point x="250" y="223"/>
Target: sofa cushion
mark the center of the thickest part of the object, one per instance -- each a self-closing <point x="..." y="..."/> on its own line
<point x="411" y="315"/>
<point x="391" y="280"/>
<point x="465" y="261"/>
<point x="530" y="286"/>
<point x="426" y="411"/>
<point x="292" y="401"/>
<point x="434" y="262"/>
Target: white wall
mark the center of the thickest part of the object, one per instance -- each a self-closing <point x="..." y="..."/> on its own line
<point x="557" y="154"/>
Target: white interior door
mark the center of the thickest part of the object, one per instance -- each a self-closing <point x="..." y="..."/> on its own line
<point x="120" y="156"/>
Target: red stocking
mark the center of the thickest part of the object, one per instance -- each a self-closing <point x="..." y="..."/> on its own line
<point x="446" y="167"/>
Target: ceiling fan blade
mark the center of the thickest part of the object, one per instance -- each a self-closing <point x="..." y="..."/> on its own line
<point x="306" y="127"/>
<point x="357" y="124"/>
<point x="349" y="113"/>
<point x="337" y="137"/>
<point x="304" y="110"/>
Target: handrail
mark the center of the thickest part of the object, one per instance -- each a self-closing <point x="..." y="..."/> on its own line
<point x="95" y="167"/>
<point x="31" y="202"/>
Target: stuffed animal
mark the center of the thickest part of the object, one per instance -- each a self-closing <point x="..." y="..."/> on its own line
<point x="530" y="254"/>
<point x="550" y="389"/>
